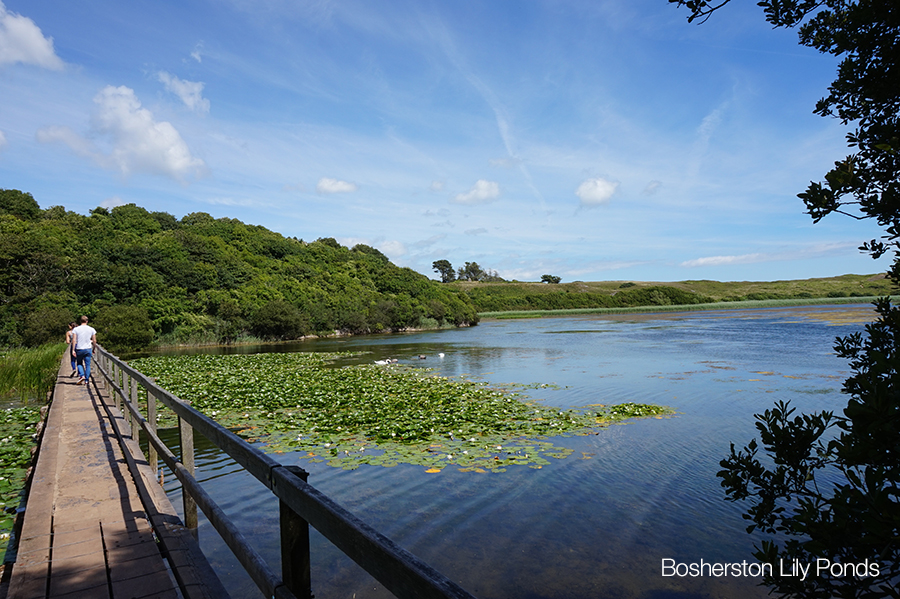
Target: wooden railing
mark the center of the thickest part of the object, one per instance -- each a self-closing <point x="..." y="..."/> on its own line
<point x="301" y="505"/>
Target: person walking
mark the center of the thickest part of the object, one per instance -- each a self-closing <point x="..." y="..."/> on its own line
<point x="84" y="338"/>
<point x="69" y="343"/>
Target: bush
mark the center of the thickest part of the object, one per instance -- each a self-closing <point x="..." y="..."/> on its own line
<point x="46" y="325"/>
<point x="279" y="320"/>
<point x="124" y="328"/>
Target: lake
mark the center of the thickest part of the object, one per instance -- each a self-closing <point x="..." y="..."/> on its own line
<point x="598" y="523"/>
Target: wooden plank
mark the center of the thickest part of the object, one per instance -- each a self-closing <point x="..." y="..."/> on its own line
<point x="32" y="568"/>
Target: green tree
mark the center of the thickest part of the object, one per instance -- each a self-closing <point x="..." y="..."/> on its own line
<point x="445" y="269"/>
<point x="471" y="272"/>
<point x="553" y="280"/>
<point x="830" y="484"/>
<point x="17" y="203"/>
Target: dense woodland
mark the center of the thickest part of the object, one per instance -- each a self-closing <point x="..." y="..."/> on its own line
<point x="145" y="277"/>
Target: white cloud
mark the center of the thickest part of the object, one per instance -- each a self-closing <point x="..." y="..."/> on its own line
<point x="482" y="193"/>
<point x="392" y="249"/>
<point x="22" y="41"/>
<point x="595" y="192"/>
<point x="196" y="53"/>
<point x="478" y="231"/>
<point x="436" y="186"/>
<point x="326" y="185"/>
<point x="112" y="202"/>
<point x="190" y="92"/>
<point x="138" y="143"/>
<point x="3" y="141"/>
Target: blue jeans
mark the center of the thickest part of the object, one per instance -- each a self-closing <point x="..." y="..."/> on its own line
<point x="83" y="359"/>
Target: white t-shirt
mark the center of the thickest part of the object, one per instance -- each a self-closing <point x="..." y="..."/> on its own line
<point x="83" y="336"/>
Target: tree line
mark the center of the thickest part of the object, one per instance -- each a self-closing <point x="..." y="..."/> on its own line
<point x="146" y="277"/>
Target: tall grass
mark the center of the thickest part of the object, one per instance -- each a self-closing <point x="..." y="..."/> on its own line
<point x="29" y="373"/>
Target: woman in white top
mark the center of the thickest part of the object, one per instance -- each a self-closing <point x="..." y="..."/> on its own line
<point x="69" y="343"/>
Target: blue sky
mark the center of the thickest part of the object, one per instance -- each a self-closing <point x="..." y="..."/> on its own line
<point x="590" y="139"/>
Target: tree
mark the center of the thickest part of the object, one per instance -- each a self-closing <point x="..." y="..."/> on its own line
<point x="471" y="272"/>
<point x="830" y="484"/>
<point x="445" y="269"/>
<point x="553" y="280"/>
<point x="17" y="203"/>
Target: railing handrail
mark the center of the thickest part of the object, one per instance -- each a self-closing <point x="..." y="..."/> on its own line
<point x="402" y="573"/>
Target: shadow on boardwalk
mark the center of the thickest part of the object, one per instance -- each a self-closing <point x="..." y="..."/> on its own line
<point x="90" y="522"/>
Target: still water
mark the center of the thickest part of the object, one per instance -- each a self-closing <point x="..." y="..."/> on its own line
<point x="599" y="523"/>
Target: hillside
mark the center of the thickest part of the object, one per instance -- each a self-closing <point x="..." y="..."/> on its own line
<point x="147" y="277"/>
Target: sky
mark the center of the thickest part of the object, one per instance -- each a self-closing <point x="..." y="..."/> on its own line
<point x="587" y="139"/>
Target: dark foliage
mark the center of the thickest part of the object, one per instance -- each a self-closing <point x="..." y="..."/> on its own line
<point x="830" y="484"/>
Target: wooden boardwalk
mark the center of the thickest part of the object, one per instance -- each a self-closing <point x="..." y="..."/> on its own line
<point x="94" y="528"/>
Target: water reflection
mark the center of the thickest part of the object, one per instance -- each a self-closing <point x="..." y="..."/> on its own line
<point x="598" y="523"/>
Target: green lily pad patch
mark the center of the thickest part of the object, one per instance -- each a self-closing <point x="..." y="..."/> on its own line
<point x="369" y="414"/>
<point x="17" y="431"/>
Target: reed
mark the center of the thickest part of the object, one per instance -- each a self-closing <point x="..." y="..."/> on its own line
<point x="30" y="372"/>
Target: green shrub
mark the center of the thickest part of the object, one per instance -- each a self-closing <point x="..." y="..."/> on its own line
<point x="124" y="328"/>
<point x="46" y="326"/>
<point x="279" y="320"/>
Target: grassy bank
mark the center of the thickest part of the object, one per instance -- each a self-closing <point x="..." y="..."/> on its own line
<point x="509" y="298"/>
<point x="741" y="305"/>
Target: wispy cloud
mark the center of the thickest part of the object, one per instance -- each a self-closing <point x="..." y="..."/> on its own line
<point x="196" y="54"/>
<point x="652" y="187"/>
<point x="729" y="260"/>
<point x="327" y="186"/>
<point x="810" y="251"/>
<point x="596" y="192"/>
<point x="505" y="162"/>
<point x="190" y="92"/>
<point x="3" y="141"/>
<point x="139" y="143"/>
<point x="21" y="41"/>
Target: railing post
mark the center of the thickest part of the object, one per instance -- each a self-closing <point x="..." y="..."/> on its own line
<point x="187" y="458"/>
<point x="151" y="422"/>
<point x="128" y="397"/>
<point x="115" y="395"/>
<point x="295" y="545"/>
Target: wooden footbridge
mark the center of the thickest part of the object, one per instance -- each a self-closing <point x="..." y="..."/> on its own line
<point x="98" y="525"/>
